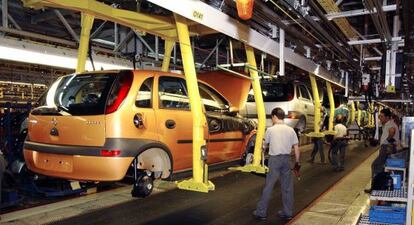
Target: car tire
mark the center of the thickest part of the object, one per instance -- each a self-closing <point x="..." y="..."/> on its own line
<point x="143" y="186"/>
<point x="301" y="125"/>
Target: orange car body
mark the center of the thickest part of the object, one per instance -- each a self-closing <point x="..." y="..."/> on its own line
<point x="77" y="143"/>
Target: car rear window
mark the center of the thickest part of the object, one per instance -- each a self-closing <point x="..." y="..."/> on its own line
<point x="275" y="92"/>
<point x="80" y="94"/>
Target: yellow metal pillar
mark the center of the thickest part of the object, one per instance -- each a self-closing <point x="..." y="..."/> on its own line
<point x="169" y="45"/>
<point x="86" y="23"/>
<point x="199" y="181"/>
<point x="359" y="114"/>
<point x="256" y="166"/>
<point x="352" y="112"/>
<point x="272" y="69"/>
<point x="317" y="120"/>
<point x="371" y="119"/>
<point x="330" y="130"/>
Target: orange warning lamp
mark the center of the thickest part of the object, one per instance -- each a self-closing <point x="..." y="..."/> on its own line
<point x="245" y="8"/>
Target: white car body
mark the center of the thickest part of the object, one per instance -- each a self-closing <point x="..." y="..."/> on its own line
<point x="298" y="106"/>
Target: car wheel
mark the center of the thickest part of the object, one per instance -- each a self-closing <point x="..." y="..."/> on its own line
<point x="142" y="186"/>
<point x="247" y="157"/>
<point x="301" y="125"/>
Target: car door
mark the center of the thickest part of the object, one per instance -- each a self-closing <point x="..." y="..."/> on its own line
<point x="224" y="137"/>
<point x="308" y="106"/>
<point x="174" y="120"/>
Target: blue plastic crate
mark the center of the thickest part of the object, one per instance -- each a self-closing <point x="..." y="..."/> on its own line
<point x="400" y="163"/>
<point x="387" y="214"/>
<point x="396" y="180"/>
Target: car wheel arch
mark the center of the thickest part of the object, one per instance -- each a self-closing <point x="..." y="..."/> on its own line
<point x="155" y="157"/>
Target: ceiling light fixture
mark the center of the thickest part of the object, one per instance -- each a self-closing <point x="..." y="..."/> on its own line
<point x="30" y="52"/>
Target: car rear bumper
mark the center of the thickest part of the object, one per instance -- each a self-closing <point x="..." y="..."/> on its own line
<point x="77" y="167"/>
<point x="84" y="162"/>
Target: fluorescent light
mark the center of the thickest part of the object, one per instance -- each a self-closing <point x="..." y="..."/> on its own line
<point x="29" y="52"/>
<point x="22" y="83"/>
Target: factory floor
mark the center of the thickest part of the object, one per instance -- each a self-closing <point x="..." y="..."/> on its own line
<point x="322" y="196"/>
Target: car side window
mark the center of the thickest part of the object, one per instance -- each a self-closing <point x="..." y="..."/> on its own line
<point x="304" y="92"/>
<point x="172" y="93"/>
<point x="144" y="96"/>
<point x="213" y="101"/>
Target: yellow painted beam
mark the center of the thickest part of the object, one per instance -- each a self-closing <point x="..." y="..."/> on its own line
<point x="256" y="166"/>
<point x="86" y="23"/>
<point x="169" y="45"/>
<point x="273" y="69"/>
<point x="198" y="182"/>
<point x="261" y="114"/>
<point x="371" y="115"/>
<point x="135" y="20"/>
<point x="359" y="114"/>
<point x="331" y="106"/>
<point x="317" y="120"/>
<point x="352" y="112"/>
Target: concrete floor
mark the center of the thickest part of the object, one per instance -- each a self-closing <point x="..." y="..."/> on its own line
<point x="232" y="202"/>
<point x="343" y="203"/>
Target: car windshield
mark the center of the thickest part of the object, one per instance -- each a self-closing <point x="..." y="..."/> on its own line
<point x="77" y="94"/>
<point x="275" y="92"/>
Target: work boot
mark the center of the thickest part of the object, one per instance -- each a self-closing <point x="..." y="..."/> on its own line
<point x="258" y="217"/>
<point x="283" y="215"/>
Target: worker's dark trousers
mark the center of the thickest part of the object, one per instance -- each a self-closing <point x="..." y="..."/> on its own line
<point x="338" y="153"/>
<point x="318" y="147"/>
<point x="378" y="164"/>
<point x="279" y="166"/>
<point x="2" y="170"/>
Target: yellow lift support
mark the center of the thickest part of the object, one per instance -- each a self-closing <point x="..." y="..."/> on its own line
<point x="86" y="24"/>
<point x="256" y="166"/>
<point x="170" y="31"/>
<point x="198" y="182"/>
<point x="317" y="120"/>
<point x="352" y="112"/>
<point x="330" y="130"/>
<point x="370" y="115"/>
<point x="359" y="114"/>
<point x="169" y="45"/>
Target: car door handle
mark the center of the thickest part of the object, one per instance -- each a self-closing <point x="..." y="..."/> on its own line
<point x="170" y="124"/>
<point x="306" y="106"/>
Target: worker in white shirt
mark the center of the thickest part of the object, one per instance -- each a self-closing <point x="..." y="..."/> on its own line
<point x="339" y="144"/>
<point x="280" y="138"/>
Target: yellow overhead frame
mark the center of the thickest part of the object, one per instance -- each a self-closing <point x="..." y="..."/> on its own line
<point x="352" y="112"/>
<point x="256" y="166"/>
<point x="200" y="181"/>
<point x="161" y="26"/>
<point x="371" y="114"/>
<point x="169" y="45"/>
<point x="317" y="120"/>
<point x="359" y="114"/>
<point x="330" y="130"/>
<point x="86" y="24"/>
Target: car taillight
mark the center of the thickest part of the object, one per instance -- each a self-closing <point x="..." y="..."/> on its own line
<point x="126" y="82"/>
<point x="290" y="97"/>
<point x="291" y="115"/>
<point x="110" y="153"/>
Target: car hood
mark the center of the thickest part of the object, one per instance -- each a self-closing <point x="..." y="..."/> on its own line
<point x="233" y="87"/>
